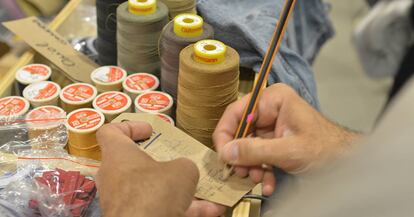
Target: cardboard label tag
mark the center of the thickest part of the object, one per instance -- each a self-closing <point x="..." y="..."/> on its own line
<point x="53" y="47"/>
<point x="169" y="143"/>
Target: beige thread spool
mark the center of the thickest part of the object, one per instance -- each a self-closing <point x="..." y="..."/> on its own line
<point x="42" y="93"/>
<point x="77" y="95"/>
<point x="139" y="83"/>
<point x="108" y="78"/>
<point x="154" y="102"/>
<point x="32" y="73"/>
<point x="44" y="127"/>
<point x="166" y="118"/>
<point x="83" y="125"/>
<point x="208" y="83"/>
<point x="112" y="104"/>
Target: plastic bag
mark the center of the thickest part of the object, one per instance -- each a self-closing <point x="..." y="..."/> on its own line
<point x="46" y="131"/>
<point x="51" y="193"/>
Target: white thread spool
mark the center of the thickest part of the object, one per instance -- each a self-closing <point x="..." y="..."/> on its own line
<point x="33" y="73"/>
<point x="42" y="93"/>
<point x="139" y="83"/>
<point x="83" y="125"/>
<point x="112" y="104"/>
<point x="154" y="102"/>
<point x="108" y="78"/>
<point x="166" y="118"/>
<point x="77" y="95"/>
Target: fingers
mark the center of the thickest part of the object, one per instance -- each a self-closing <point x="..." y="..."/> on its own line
<point x="241" y="171"/>
<point x="256" y="174"/>
<point x="111" y="136"/>
<point x="257" y="151"/>
<point x="229" y="122"/>
<point x="269" y="183"/>
<point x="185" y="167"/>
<point x="202" y="208"/>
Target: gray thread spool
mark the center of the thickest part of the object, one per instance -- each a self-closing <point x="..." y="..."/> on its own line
<point x="137" y="39"/>
<point x="170" y="48"/>
<point x="177" y="7"/>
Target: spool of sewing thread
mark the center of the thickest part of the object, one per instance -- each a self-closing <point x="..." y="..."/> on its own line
<point x="139" y="26"/>
<point x="176" y="7"/>
<point x="166" y="118"/>
<point x="208" y="83"/>
<point x="42" y="93"/>
<point x="82" y="125"/>
<point x="77" y="95"/>
<point x="185" y="30"/>
<point x="139" y="83"/>
<point x="108" y="78"/>
<point x="45" y="126"/>
<point x="154" y="102"/>
<point x="106" y="34"/>
<point x="32" y="73"/>
<point x="112" y="104"/>
<point x="12" y="108"/>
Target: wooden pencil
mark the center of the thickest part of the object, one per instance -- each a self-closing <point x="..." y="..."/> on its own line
<point x="261" y="82"/>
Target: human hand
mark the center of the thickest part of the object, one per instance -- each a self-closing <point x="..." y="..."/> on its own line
<point x="287" y="133"/>
<point x="131" y="183"/>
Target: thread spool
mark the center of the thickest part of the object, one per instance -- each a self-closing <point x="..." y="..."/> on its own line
<point x="45" y="128"/>
<point x="185" y="30"/>
<point x="208" y="83"/>
<point x="12" y="108"/>
<point x="112" y="104"/>
<point x="108" y="78"/>
<point x="154" y="102"/>
<point x="77" y="95"/>
<point x="32" y="73"/>
<point x="42" y="93"/>
<point x="166" y="118"/>
<point x="106" y="34"/>
<point x="82" y="125"/>
<point x="139" y="83"/>
<point x="176" y="7"/>
<point x="137" y="38"/>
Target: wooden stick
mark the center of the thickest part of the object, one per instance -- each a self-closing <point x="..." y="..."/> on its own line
<point x="7" y="80"/>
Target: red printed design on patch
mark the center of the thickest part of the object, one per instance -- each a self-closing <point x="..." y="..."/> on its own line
<point x="140" y="82"/>
<point x="78" y="93"/>
<point x="153" y="101"/>
<point x="10" y="106"/>
<point x="112" y="101"/>
<point x="84" y="119"/>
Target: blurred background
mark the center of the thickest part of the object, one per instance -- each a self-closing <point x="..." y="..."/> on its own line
<point x="347" y="95"/>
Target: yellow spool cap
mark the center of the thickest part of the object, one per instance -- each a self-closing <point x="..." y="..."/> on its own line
<point x="142" y="7"/>
<point x="210" y="52"/>
<point x="188" y="25"/>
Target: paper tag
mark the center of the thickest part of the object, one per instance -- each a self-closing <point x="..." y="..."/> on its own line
<point x="53" y="47"/>
<point x="169" y="143"/>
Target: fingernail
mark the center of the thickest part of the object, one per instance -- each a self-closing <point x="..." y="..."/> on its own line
<point x="231" y="152"/>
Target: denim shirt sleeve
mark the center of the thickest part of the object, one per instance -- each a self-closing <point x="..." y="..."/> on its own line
<point x="248" y="27"/>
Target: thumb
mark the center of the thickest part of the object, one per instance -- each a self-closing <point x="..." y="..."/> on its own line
<point x="257" y="151"/>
